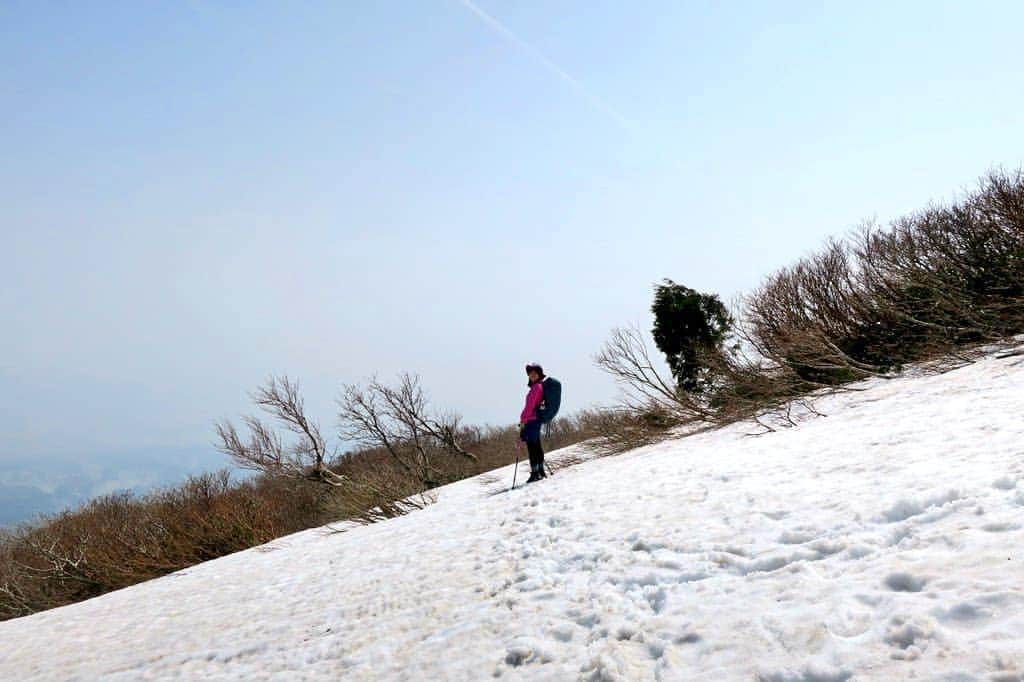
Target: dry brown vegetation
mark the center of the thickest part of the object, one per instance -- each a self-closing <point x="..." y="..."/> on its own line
<point x="937" y="284"/>
<point x="942" y="280"/>
<point x="119" y="540"/>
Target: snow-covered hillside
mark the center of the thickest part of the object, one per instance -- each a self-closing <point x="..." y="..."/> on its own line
<point x="882" y="542"/>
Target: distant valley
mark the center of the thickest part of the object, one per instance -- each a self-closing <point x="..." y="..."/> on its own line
<point x="33" y="486"/>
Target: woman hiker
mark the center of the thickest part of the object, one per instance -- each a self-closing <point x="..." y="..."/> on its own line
<point x="529" y="422"/>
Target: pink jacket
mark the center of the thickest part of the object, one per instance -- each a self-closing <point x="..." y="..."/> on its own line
<point x="533" y="400"/>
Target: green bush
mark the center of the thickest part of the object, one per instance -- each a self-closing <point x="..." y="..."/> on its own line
<point x="689" y="326"/>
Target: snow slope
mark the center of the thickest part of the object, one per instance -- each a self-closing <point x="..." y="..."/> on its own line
<point x="882" y="542"/>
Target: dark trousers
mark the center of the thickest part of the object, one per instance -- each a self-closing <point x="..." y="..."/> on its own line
<point x="531" y="436"/>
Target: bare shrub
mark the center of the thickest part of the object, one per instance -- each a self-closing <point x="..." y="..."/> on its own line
<point x="361" y="492"/>
<point x="625" y="356"/>
<point x="265" y="450"/>
<point x="936" y="282"/>
<point x="376" y="489"/>
<point x="934" y="286"/>
<point x="400" y="421"/>
<point x="953" y="275"/>
<point x="617" y="430"/>
<point x="803" y="317"/>
<point x="17" y="596"/>
<point x="119" y="540"/>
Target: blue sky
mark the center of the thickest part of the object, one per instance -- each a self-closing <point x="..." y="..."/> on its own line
<point x="199" y="194"/>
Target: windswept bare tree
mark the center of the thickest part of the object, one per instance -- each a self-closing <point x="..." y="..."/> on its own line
<point x="264" y="449"/>
<point x="625" y="356"/>
<point x="400" y="420"/>
<point x="359" y="493"/>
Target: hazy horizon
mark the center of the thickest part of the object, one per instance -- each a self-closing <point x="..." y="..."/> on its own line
<point x="199" y="196"/>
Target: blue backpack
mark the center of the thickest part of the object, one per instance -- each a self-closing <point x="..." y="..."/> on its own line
<point x="552" y="400"/>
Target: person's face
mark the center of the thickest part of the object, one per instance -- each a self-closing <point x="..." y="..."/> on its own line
<point x="533" y="376"/>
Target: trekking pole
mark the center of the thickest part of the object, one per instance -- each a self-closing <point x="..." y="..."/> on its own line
<point x="515" y="471"/>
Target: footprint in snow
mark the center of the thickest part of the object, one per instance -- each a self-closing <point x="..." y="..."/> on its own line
<point x="905" y="508"/>
<point x="905" y="582"/>
<point x="964" y="612"/>
<point x="1000" y="527"/>
<point x="526" y="650"/>
<point x="796" y="536"/>
<point x="909" y="637"/>
<point x="812" y="672"/>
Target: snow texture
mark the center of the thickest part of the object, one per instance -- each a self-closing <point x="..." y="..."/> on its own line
<point x="881" y="542"/>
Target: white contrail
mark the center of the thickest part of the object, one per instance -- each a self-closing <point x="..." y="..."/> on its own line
<point x="576" y="85"/>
